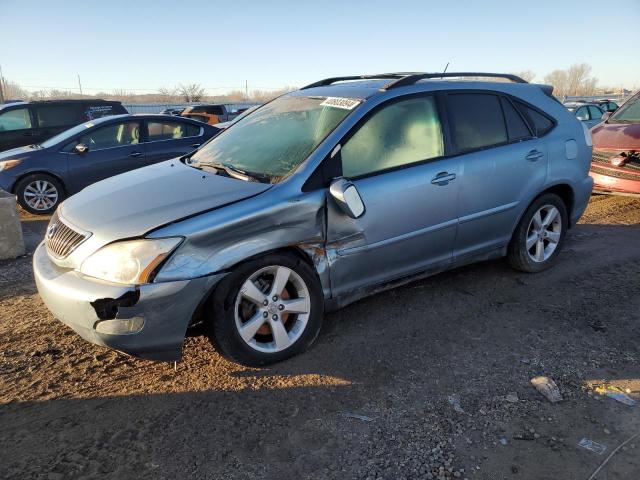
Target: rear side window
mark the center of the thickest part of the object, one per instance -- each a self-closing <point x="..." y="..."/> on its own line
<point x="17" y="119"/>
<point x="516" y="126"/>
<point x="171" y="130"/>
<point x="58" y="115"/>
<point x="541" y="123"/>
<point x="596" y="113"/>
<point x="476" y="120"/>
<point x="399" y="134"/>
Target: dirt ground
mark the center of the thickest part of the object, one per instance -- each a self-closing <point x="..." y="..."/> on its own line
<point x="431" y="380"/>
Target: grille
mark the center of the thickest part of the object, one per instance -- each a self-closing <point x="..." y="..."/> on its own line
<point x="61" y="239"/>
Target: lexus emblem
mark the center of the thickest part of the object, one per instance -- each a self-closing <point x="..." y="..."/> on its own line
<point x="51" y="231"/>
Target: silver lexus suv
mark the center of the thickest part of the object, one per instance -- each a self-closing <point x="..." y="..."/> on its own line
<point x="322" y="196"/>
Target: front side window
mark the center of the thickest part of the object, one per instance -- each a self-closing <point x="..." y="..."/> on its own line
<point x="117" y="135"/>
<point x="629" y="112"/>
<point x="17" y="119"/>
<point x="476" y="120"/>
<point x="58" y="115"/>
<point x="275" y="139"/>
<point x="402" y="133"/>
<point x="596" y="113"/>
<point x="171" y="130"/>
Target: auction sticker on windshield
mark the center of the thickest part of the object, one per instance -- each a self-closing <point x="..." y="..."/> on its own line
<point x="340" y="102"/>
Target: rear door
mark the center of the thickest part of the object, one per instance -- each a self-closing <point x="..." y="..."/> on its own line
<point x="170" y="139"/>
<point x="396" y="159"/>
<point x="15" y="128"/>
<point x="112" y="149"/>
<point x="503" y="164"/>
<point x="55" y="118"/>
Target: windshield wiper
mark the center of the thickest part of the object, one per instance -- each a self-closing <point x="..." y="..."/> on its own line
<point x="232" y="171"/>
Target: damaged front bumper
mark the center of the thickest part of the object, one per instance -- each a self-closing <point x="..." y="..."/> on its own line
<point x="147" y="321"/>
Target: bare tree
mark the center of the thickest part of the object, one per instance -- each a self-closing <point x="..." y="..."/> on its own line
<point x="575" y="81"/>
<point x="559" y="80"/>
<point x="526" y="75"/>
<point x="192" y="92"/>
<point x="168" y="94"/>
<point x="13" y="91"/>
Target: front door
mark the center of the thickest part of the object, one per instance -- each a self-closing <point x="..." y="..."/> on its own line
<point x="396" y="161"/>
<point x="112" y="149"/>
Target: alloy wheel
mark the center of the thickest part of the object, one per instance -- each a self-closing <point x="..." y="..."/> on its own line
<point x="40" y="195"/>
<point x="543" y="234"/>
<point x="272" y="309"/>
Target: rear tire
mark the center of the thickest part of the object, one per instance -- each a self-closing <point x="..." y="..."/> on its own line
<point x="539" y="236"/>
<point x="39" y="193"/>
<point x="250" y="332"/>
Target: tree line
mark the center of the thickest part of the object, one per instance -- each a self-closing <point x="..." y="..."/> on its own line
<point x="573" y="81"/>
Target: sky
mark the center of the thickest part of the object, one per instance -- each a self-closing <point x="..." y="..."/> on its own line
<point x="142" y="45"/>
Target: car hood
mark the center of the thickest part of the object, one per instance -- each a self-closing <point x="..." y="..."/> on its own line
<point x="133" y="203"/>
<point x="620" y="136"/>
<point x="18" y="153"/>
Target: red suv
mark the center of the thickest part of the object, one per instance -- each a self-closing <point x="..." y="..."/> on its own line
<point x="616" y="150"/>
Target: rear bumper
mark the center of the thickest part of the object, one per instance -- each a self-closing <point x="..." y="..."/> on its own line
<point x="160" y="312"/>
<point x="581" y="199"/>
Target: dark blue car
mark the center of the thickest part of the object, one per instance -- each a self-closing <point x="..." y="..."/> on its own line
<point x="42" y="175"/>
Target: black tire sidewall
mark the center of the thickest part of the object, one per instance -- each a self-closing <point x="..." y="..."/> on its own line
<point x="517" y="253"/>
<point x="222" y="327"/>
<point x="22" y="184"/>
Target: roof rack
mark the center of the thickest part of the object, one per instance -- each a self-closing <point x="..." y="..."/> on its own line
<point x="403" y="79"/>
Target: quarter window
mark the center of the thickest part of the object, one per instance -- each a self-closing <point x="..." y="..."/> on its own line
<point x="541" y="123"/>
<point x="171" y="130"/>
<point x="516" y="127"/>
<point x="476" y="120"/>
<point x="117" y="135"/>
<point x="17" y="119"/>
<point x="402" y="133"/>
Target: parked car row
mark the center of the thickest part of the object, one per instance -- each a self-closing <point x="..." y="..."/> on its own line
<point x="320" y="197"/>
<point x="43" y="174"/>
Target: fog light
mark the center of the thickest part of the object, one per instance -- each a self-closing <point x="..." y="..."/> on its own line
<point x="120" y="326"/>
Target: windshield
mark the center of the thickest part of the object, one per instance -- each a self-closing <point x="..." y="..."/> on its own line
<point x="627" y="113"/>
<point x="276" y="138"/>
<point x="67" y="134"/>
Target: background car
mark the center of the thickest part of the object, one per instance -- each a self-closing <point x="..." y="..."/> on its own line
<point x="42" y="175"/>
<point x="606" y="105"/>
<point x="588" y="113"/>
<point x="23" y="123"/>
<point x="210" y="114"/>
<point x="615" y="166"/>
<point x="172" y="111"/>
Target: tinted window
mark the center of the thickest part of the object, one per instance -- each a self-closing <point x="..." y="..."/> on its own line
<point x="516" y="126"/>
<point x="595" y="112"/>
<point x="117" y="135"/>
<point x="402" y="133"/>
<point x="539" y="122"/>
<point x="58" y="115"/>
<point x="17" y="119"/>
<point x="476" y="120"/>
<point x="93" y="112"/>
<point x="582" y="113"/>
<point x="171" y="130"/>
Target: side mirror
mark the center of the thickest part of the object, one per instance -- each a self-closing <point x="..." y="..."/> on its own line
<point x="347" y="197"/>
<point x="605" y="116"/>
<point x="81" y="148"/>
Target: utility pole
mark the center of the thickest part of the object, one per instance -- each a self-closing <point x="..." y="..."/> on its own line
<point x="246" y="91"/>
<point x="1" y="87"/>
<point x="79" y="84"/>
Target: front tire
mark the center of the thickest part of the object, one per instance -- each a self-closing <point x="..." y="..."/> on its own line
<point x="267" y="310"/>
<point x="540" y="234"/>
<point x="39" y="193"/>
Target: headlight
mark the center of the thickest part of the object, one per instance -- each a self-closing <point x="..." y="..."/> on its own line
<point x="7" y="164"/>
<point x="129" y="262"/>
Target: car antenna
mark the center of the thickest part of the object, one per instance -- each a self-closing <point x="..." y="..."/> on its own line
<point x="445" y="69"/>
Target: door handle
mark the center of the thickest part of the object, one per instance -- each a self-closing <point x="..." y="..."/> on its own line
<point x="443" y="178"/>
<point x="135" y="154"/>
<point x="194" y="145"/>
<point x="534" y="156"/>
